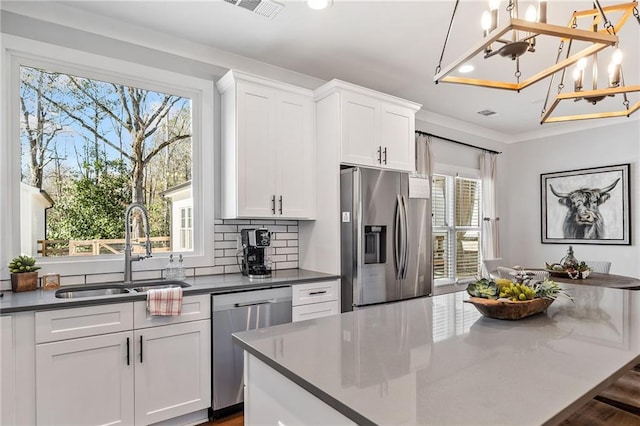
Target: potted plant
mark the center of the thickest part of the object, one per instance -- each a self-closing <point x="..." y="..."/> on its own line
<point x="23" y="273"/>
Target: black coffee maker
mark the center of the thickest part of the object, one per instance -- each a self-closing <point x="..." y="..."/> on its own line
<point x="254" y="246"/>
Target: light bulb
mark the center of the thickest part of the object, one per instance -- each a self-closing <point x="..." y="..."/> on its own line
<point x="494" y="4"/>
<point x="617" y="57"/>
<point x="485" y="21"/>
<point x="582" y="64"/>
<point x="319" y="4"/>
<point x="531" y="15"/>
<point x="576" y="73"/>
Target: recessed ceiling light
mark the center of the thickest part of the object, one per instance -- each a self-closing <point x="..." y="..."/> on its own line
<point x="319" y="4"/>
<point x="466" y="68"/>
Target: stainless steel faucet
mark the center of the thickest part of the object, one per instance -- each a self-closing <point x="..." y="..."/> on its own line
<point x="128" y="256"/>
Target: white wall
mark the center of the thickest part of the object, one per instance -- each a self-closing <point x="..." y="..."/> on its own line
<point x="603" y="146"/>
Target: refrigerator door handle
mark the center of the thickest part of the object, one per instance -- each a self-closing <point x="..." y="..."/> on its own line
<point x="405" y="238"/>
<point x="397" y="238"/>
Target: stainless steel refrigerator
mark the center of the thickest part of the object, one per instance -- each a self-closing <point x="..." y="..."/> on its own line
<point x="385" y="237"/>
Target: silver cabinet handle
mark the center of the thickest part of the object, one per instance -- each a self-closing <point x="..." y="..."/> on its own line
<point x="280" y="204"/>
<point x="273" y="204"/>
<point x="385" y="155"/>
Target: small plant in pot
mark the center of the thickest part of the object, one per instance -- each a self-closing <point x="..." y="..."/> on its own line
<point x="23" y="273"/>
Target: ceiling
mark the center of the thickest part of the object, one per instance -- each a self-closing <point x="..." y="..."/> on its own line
<point x="390" y="46"/>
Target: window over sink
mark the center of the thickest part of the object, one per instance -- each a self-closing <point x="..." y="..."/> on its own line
<point x="89" y="134"/>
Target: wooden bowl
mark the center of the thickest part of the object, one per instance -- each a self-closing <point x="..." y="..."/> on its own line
<point x="506" y="309"/>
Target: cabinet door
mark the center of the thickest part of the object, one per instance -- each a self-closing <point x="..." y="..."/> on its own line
<point x="172" y="371"/>
<point x="256" y="156"/>
<point x="360" y="132"/>
<point x="7" y="372"/>
<point x="397" y="136"/>
<point x="295" y="192"/>
<point x="85" y="381"/>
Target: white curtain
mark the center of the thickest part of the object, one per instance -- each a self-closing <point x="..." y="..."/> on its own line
<point x="424" y="156"/>
<point x="491" y="221"/>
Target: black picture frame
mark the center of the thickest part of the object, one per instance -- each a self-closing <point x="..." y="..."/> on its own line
<point x="586" y="206"/>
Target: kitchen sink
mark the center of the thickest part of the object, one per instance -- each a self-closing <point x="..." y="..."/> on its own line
<point x="143" y="287"/>
<point x="92" y="291"/>
<point x="101" y="290"/>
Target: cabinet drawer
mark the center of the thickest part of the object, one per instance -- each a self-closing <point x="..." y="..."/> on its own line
<point x="315" y="292"/>
<point x="81" y="322"/>
<point x="193" y="308"/>
<point x="315" y="310"/>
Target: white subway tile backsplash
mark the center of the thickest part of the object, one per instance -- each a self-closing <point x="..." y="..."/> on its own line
<point x="226" y="228"/>
<point x="286" y="265"/>
<point x="231" y="269"/>
<point x="236" y="221"/>
<point x="287" y="235"/>
<point x="221" y="261"/>
<point x="226" y="245"/>
<point x="283" y="251"/>
<point x="287" y="250"/>
<point x="262" y="222"/>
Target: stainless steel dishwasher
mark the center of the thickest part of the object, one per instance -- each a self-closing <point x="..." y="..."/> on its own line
<point x="235" y="312"/>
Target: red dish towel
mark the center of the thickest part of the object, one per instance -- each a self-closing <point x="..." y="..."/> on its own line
<point x="164" y="301"/>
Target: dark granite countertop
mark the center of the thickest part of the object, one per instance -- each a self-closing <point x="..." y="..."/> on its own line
<point x="38" y="300"/>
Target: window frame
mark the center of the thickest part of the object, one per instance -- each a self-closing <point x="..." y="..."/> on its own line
<point x="17" y="51"/>
<point x="460" y="172"/>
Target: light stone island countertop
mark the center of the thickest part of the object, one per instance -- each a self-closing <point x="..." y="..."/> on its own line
<point x="214" y="284"/>
<point x="438" y="361"/>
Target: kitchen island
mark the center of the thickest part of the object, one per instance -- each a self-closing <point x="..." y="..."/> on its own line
<point x="438" y="361"/>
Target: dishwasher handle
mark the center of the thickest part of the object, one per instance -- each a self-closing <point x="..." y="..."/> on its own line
<point x="262" y="302"/>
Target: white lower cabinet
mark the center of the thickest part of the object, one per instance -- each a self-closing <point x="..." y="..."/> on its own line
<point x="7" y="372"/>
<point x="139" y="376"/>
<point x="315" y="300"/>
<point x="172" y="371"/>
<point x="85" y="381"/>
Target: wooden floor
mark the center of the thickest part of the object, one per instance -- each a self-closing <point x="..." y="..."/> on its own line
<point x="236" y="419"/>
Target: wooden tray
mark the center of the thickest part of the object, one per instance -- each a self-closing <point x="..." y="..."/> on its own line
<point x="506" y="309"/>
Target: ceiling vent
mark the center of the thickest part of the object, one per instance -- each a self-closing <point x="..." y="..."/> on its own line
<point x="487" y="112"/>
<point x="265" y="8"/>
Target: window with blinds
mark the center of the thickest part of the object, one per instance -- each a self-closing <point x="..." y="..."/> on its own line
<point x="456" y="228"/>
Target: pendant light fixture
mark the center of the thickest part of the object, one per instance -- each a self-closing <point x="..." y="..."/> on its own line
<point x="613" y="101"/>
<point x="513" y="39"/>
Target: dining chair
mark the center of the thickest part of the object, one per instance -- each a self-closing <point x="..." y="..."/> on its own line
<point x="599" y="266"/>
<point x="504" y="272"/>
<point x="491" y="266"/>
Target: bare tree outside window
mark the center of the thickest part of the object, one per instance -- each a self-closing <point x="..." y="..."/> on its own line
<point x="92" y="147"/>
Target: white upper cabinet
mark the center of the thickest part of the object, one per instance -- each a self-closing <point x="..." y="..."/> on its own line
<point x="267" y="149"/>
<point x="376" y="130"/>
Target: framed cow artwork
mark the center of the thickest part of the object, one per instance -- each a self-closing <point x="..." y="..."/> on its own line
<point x="586" y="206"/>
